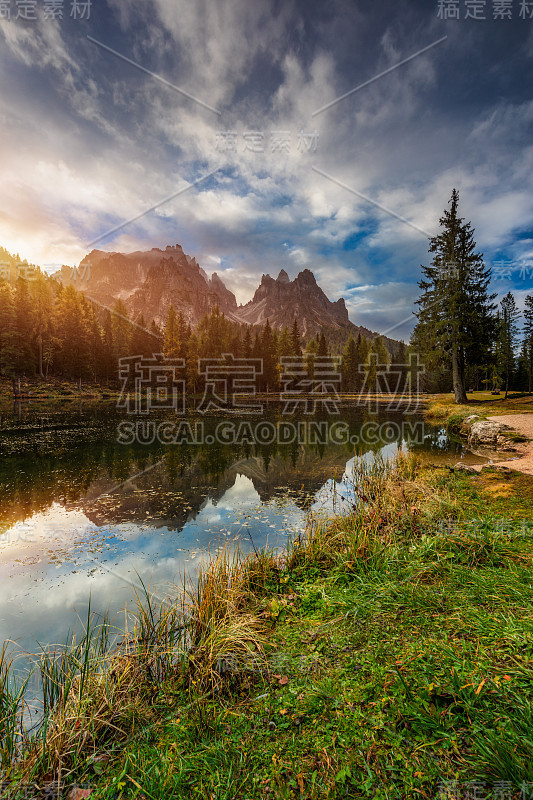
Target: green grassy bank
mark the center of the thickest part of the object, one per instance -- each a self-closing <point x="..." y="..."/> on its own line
<point x="388" y="654"/>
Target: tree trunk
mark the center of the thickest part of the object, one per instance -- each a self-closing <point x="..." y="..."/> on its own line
<point x="41" y="375"/>
<point x="458" y="380"/>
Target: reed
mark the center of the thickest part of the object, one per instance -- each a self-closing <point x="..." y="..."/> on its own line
<point x="100" y="688"/>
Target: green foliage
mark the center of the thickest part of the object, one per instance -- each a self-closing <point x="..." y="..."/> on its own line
<point x="527" y="343"/>
<point x="507" y="338"/>
<point x="172" y="342"/>
<point x="386" y="654"/>
<point x="455" y="326"/>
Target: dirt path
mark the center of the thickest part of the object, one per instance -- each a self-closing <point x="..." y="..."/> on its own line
<point x="523" y="424"/>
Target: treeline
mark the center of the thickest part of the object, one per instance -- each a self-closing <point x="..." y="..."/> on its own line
<point x="509" y="365"/>
<point x="50" y="330"/>
<point x="217" y="335"/>
<point x="47" y="329"/>
<point x="464" y="339"/>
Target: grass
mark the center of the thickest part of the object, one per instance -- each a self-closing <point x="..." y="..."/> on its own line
<point x="55" y="391"/>
<point x="442" y="407"/>
<point x="387" y="654"/>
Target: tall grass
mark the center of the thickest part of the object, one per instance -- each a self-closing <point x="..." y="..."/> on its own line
<point x="98" y="689"/>
<point x="225" y="630"/>
<point x="159" y="639"/>
<point x="392" y="503"/>
<point x="68" y="667"/>
<point x="12" y="705"/>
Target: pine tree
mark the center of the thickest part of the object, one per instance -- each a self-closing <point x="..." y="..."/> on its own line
<point x="285" y="343"/>
<point x="311" y="351"/>
<point x="72" y="333"/>
<point x="142" y="341"/>
<point x="236" y="344"/>
<point x="122" y="330"/>
<point x="322" y="346"/>
<point x="362" y="350"/>
<point x="193" y="351"/>
<point x="181" y="327"/>
<point x="94" y="341"/>
<point x="349" y="366"/>
<point x="400" y="370"/>
<point x="269" y="356"/>
<point x="256" y="349"/>
<point x="507" y="338"/>
<point x="378" y="359"/>
<point x="455" y="320"/>
<point x="172" y="343"/>
<point x="7" y="330"/>
<point x="108" y="364"/>
<point x="23" y="332"/>
<point x="296" y="339"/>
<point x="521" y="378"/>
<point x="42" y="311"/>
<point x="528" y="339"/>
<point x="247" y="343"/>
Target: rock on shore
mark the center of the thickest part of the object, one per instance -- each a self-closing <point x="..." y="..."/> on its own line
<point x="490" y="434"/>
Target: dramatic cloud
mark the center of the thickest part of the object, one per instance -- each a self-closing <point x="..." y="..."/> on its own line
<point x="90" y="140"/>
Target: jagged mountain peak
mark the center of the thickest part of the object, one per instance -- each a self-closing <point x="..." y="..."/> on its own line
<point x="306" y="277"/>
<point x="148" y="282"/>
<point x="281" y="300"/>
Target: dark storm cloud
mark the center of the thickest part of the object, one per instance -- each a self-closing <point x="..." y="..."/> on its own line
<point x="91" y="140"/>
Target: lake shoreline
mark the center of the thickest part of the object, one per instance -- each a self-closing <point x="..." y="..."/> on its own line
<point x="58" y="391"/>
<point x="380" y="639"/>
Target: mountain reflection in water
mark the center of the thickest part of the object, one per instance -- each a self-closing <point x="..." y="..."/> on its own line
<point x="82" y="516"/>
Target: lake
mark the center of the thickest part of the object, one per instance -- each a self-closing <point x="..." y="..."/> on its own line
<point x="91" y="502"/>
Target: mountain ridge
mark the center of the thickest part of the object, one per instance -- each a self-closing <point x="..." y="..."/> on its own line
<point x="148" y="282"/>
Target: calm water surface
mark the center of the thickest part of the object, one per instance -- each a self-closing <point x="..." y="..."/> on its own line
<point x="82" y="515"/>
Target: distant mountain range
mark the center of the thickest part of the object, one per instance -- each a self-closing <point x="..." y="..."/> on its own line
<point x="149" y="282"/>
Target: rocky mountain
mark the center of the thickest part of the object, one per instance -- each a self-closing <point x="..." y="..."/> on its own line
<point x="149" y="282"/>
<point x="281" y="300"/>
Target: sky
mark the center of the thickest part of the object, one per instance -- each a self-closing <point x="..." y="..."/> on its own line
<point x="227" y="107"/>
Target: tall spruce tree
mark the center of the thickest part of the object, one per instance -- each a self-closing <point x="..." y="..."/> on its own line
<point x="247" y="343"/>
<point x="269" y="356"/>
<point x="172" y="343"/>
<point x="42" y="310"/>
<point x="121" y="328"/>
<point x="7" y="330"/>
<point x="296" y="339"/>
<point x="108" y="366"/>
<point x="142" y="342"/>
<point x="349" y="366"/>
<point x="322" y="345"/>
<point x="528" y="339"/>
<point x="285" y="345"/>
<point x="456" y="317"/>
<point x="72" y="333"/>
<point x="361" y="356"/>
<point x="507" y="338"/>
